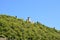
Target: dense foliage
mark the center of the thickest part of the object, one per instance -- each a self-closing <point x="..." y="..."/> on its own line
<point x="12" y="28"/>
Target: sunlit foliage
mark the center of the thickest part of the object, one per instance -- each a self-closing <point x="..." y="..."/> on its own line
<point x="14" y="28"/>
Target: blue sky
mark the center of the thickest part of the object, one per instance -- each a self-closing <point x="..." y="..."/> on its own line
<point x="45" y="11"/>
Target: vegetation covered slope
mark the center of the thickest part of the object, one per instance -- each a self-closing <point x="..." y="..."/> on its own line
<point x="13" y="28"/>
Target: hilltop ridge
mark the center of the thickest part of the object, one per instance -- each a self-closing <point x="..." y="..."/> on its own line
<point x="12" y="28"/>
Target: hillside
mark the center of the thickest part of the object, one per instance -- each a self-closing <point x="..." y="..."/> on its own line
<point x="12" y="28"/>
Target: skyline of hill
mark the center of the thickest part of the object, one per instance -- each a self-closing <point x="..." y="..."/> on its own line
<point x="12" y="28"/>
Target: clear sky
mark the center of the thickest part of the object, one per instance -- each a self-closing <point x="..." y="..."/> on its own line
<point x="45" y="11"/>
